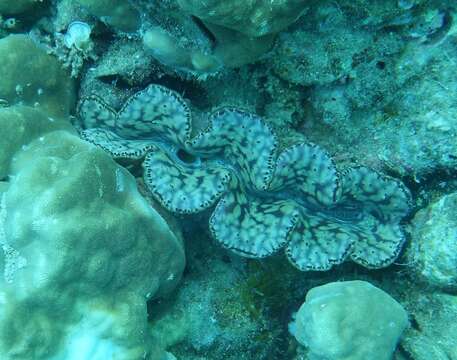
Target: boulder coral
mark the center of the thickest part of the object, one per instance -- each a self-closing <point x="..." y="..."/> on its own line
<point x="82" y="250"/>
<point x="25" y="84"/>
<point x="18" y="6"/>
<point x="250" y="17"/>
<point x="237" y="32"/>
<point x="265" y="198"/>
<point x="120" y="14"/>
<point x="349" y="320"/>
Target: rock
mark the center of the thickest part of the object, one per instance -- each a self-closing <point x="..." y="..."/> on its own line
<point x="350" y="320"/>
<point x="434" y="250"/>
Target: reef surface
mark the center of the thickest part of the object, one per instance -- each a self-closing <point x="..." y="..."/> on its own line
<point x="189" y="179"/>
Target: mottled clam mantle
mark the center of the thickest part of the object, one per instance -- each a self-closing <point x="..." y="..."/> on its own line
<point x="264" y="199"/>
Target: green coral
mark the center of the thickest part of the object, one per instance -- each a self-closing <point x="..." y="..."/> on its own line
<point x="20" y="125"/>
<point x="232" y="49"/>
<point x="235" y="33"/>
<point x="250" y="17"/>
<point x="120" y="14"/>
<point x="39" y="81"/>
<point x="77" y="241"/>
<point x="264" y="200"/>
<point x="17" y="6"/>
<point x="350" y="320"/>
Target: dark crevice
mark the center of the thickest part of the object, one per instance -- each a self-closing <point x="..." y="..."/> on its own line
<point x="188" y="89"/>
<point x="405" y="353"/>
<point x="201" y="25"/>
<point x="116" y="80"/>
<point x="186" y="157"/>
<point x="434" y="180"/>
<point x="414" y="324"/>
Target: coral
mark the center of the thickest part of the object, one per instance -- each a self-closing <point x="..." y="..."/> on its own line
<point x="118" y="72"/>
<point x="307" y="57"/>
<point x="365" y="64"/>
<point x="17" y="6"/>
<point x="264" y="200"/>
<point x="433" y="253"/>
<point x="74" y="47"/>
<point x="120" y="14"/>
<point x="77" y="242"/>
<point x="231" y="49"/>
<point x="168" y="51"/>
<point x="190" y="45"/>
<point x="351" y="320"/>
<point x="21" y="125"/>
<point x="252" y="17"/>
<point x="40" y="81"/>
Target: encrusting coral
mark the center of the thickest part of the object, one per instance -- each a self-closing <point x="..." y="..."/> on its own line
<point x="265" y="199"/>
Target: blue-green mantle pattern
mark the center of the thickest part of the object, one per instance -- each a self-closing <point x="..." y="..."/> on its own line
<point x="265" y="199"/>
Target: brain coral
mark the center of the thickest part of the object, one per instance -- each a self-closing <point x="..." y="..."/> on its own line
<point x="265" y="199"/>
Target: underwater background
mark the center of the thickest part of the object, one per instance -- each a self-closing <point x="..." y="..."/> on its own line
<point x="228" y="179"/>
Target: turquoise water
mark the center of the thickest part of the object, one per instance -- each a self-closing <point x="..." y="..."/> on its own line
<point x="188" y="179"/>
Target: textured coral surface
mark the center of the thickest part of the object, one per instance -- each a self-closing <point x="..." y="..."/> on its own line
<point x="77" y="238"/>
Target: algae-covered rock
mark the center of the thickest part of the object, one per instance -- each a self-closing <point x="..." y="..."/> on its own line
<point x="30" y="76"/>
<point x="222" y="310"/>
<point x="434" y="250"/>
<point x="307" y="57"/>
<point x="82" y="253"/>
<point x="435" y="332"/>
<point x="389" y="102"/>
<point x="350" y="320"/>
